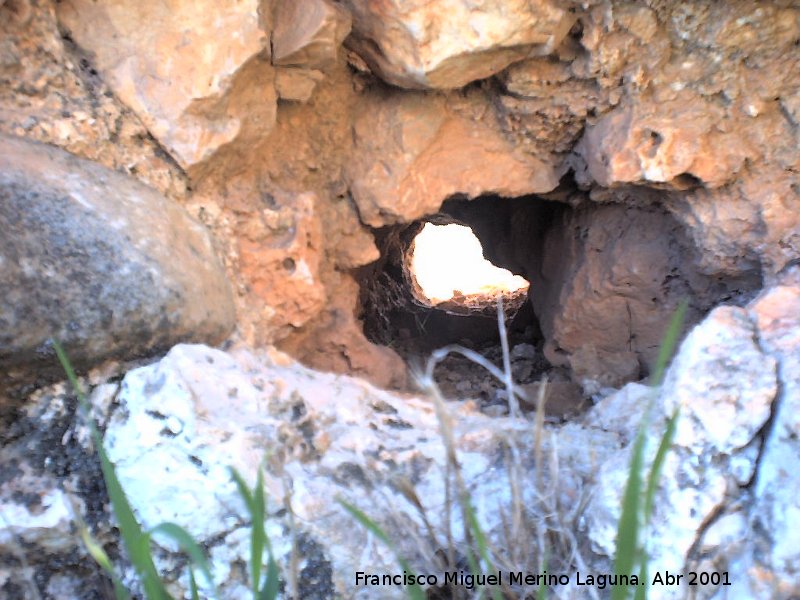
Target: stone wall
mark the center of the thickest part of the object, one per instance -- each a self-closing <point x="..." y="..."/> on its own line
<point x="249" y="176"/>
<point x="292" y="132"/>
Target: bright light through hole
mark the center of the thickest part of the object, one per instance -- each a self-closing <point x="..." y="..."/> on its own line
<point x="448" y="259"/>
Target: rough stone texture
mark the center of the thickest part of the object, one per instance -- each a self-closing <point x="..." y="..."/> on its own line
<point x="448" y="44"/>
<point x="610" y="277"/>
<point x="296" y="85"/>
<point x="50" y="92"/>
<point x="308" y="33"/>
<point x="727" y="499"/>
<point x="768" y="562"/>
<point x="279" y="254"/>
<point x="183" y="67"/>
<point x="174" y="427"/>
<point x="688" y="107"/>
<point x="728" y="494"/>
<point x="434" y="149"/>
<point x="701" y="120"/>
<point x="98" y="261"/>
<point x="752" y="225"/>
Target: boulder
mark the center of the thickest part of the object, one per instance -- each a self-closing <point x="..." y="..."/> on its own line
<point x="445" y="45"/>
<point x="100" y="262"/>
<point x="413" y="151"/>
<point x="728" y="495"/>
<point x="181" y="67"/>
<point x="308" y="33"/>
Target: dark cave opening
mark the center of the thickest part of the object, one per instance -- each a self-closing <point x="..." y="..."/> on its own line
<point x="397" y="315"/>
<point x="605" y="278"/>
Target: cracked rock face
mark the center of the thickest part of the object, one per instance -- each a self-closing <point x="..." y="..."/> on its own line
<point x="179" y="66"/>
<point x="181" y="423"/>
<point x="680" y="107"/>
<point x="728" y="492"/>
<point x="726" y="502"/>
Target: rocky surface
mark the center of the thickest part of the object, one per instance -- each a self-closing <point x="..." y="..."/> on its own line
<point x="308" y="34"/>
<point x="51" y="92"/>
<point x="185" y="70"/>
<point x="100" y="262"/>
<point x="437" y="149"/>
<point x="727" y="494"/>
<point x="174" y="428"/>
<point x="725" y="502"/>
<point x="651" y="106"/>
<point x="442" y="46"/>
<point x="609" y="276"/>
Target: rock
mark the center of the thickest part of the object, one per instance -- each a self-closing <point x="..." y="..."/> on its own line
<point x="749" y="228"/>
<point x="334" y="341"/>
<point x="308" y="33"/>
<point x="430" y="152"/>
<point x="100" y="262"/>
<point x="768" y="561"/>
<point x="35" y="512"/>
<point x="523" y="351"/>
<point x="443" y="45"/>
<point x="185" y="420"/>
<point x="726" y="496"/>
<point x="280" y="249"/>
<point x="595" y="371"/>
<point x="184" y="69"/>
<point x="296" y="85"/>
<point x="688" y="117"/>
<point x="606" y="313"/>
<point x="563" y="399"/>
<point x="51" y="93"/>
<point x="661" y="143"/>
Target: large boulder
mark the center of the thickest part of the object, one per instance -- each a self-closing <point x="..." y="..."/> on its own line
<point x="98" y="261"/>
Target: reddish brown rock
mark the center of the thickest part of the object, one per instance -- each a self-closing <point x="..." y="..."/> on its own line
<point x="610" y="280"/>
<point x="280" y="249"/>
<point x="751" y="226"/>
<point x="334" y="341"/>
<point x="428" y="152"/>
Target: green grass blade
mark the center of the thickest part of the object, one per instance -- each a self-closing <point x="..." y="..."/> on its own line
<point x="272" y="582"/>
<point x="188" y="545"/>
<point x="244" y="491"/>
<point x="101" y="558"/>
<point x="669" y="342"/>
<point x="658" y="464"/>
<point x="136" y="542"/>
<point x="193" y="585"/>
<point x="641" y="590"/>
<point x="414" y="591"/>
<point x="652" y="485"/>
<point x="480" y="542"/>
<point x="628" y="527"/>
<point x="255" y="506"/>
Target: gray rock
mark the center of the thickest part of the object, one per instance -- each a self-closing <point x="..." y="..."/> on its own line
<point x="98" y="261"/>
